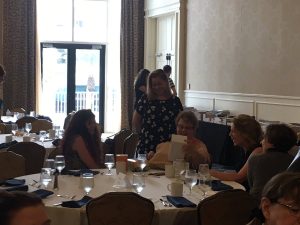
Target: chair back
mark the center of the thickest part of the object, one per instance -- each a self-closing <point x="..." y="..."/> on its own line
<point x="120" y="208"/>
<point x="226" y="207"/>
<point x="130" y="144"/>
<point x="119" y="140"/>
<point x="26" y="119"/>
<point x="18" y="109"/>
<point x="55" y="152"/>
<point x="3" y="129"/>
<point x="41" y="124"/>
<point x="33" y="153"/>
<point x="11" y="165"/>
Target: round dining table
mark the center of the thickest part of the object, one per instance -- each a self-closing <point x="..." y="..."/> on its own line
<point x="155" y="189"/>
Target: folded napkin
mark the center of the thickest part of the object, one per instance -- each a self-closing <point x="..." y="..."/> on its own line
<point x="180" y="202"/>
<point x="77" y="173"/>
<point x="217" y="185"/>
<point x="42" y="193"/>
<point x="17" y="188"/>
<point x="76" y="204"/>
<point x="6" y="145"/>
<point x="12" y="182"/>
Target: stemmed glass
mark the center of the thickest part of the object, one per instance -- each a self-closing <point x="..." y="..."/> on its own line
<point x="190" y="179"/>
<point x="138" y="182"/>
<point x="46" y="176"/>
<point x="109" y="162"/>
<point x="204" y="179"/>
<point x="87" y="182"/>
<point x="59" y="163"/>
<point x="28" y="127"/>
<point x="43" y="135"/>
<point x="14" y="128"/>
<point x="142" y="160"/>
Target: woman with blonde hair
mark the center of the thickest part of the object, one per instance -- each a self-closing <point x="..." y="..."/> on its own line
<point x="155" y="113"/>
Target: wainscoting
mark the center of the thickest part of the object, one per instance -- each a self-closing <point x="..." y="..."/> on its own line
<point x="266" y="107"/>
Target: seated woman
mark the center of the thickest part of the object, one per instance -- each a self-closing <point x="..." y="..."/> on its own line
<point x="81" y="142"/>
<point x="280" y="202"/>
<point x="245" y="132"/>
<point x="195" y="151"/>
<point x="278" y="140"/>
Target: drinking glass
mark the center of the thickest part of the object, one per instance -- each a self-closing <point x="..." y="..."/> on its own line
<point x="87" y="182"/>
<point x="190" y="179"/>
<point x="204" y="179"/>
<point x="109" y="162"/>
<point x="59" y="163"/>
<point x="50" y="163"/>
<point x="43" y="135"/>
<point x="28" y="127"/>
<point x="138" y="182"/>
<point x="46" y="176"/>
<point x="14" y="128"/>
<point x="142" y="158"/>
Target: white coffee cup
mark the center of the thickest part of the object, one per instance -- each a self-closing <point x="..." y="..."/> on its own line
<point x="8" y="138"/>
<point x="176" y="188"/>
<point x="26" y="138"/>
<point x="169" y="170"/>
<point x="51" y="134"/>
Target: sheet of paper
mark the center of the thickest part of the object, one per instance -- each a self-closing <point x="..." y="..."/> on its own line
<point x="175" y="151"/>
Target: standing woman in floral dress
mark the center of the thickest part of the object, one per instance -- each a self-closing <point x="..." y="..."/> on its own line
<point x="155" y="113"/>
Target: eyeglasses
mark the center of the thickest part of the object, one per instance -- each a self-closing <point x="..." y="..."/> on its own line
<point x="294" y="211"/>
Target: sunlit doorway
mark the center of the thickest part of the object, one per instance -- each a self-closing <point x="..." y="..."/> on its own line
<point x="72" y="79"/>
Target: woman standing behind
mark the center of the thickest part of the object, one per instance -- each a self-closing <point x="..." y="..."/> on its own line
<point x="245" y="132"/>
<point x="155" y="113"/>
<point x="140" y="84"/>
<point x="81" y="142"/>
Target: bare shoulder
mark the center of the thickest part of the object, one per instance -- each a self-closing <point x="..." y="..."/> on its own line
<point x="257" y="151"/>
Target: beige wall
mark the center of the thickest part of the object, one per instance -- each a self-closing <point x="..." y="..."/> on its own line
<point x="244" y="46"/>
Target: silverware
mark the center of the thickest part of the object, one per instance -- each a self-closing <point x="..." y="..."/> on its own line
<point x="165" y="203"/>
<point x="66" y="196"/>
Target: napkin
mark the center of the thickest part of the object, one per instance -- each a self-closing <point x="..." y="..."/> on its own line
<point x="77" y="173"/>
<point x="6" y="145"/>
<point x="180" y="202"/>
<point x="217" y="185"/>
<point x="77" y="204"/>
<point x="17" y="188"/>
<point x="42" y="193"/>
<point x="12" y="182"/>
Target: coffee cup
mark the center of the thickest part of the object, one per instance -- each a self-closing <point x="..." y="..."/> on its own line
<point x="169" y="170"/>
<point x="176" y="188"/>
<point x="26" y="138"/>
<point x="8" y="138"/>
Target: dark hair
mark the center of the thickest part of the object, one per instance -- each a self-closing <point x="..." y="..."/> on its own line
<point x="77" y="126"/>
<point x="141" y="78"/>
<point x="188" y="117"/>
<point x="12" y="202"/>
<point x="2" y="71"/>
<point x="167" y="69"/>
<point x="161" y="75"/>
<point x="281" y="136"/>
<point x="283" y="185"/>
<point x="249" y="129"/>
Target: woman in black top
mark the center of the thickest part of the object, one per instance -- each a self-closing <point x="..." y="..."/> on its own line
<point x="140" y="84"/>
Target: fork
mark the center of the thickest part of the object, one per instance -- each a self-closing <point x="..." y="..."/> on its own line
<point x="66" y="196"/>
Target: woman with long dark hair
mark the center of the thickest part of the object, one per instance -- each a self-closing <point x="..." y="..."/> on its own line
<point x="81" y="142"/>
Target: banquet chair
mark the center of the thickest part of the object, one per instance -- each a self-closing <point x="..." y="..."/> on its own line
<point x="230" y="207"/>
<point x="3" y="129"/>
<point x="26" y="119"/>
<point x="130" y="144"/>
<point x="120" y="208"/>
<point x="33" y="153"/>
<point x="19" y="110"/>
<point x="11" y="165"/>
<point x="41" y="124"/>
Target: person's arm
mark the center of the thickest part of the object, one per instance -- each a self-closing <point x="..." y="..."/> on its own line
<point x="174" y="91"/>
<point x="239" y="176"/>
<point x="136" y="121"/>
<point x="80" y="147"/>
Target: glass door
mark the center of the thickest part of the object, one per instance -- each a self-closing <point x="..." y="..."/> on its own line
<point x="72" y="79"/>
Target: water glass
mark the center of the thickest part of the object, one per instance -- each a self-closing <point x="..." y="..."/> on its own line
<point x="28" y="127"/>
<point x="46" y="176"/>
<point x="50" y="163"/>
<point x="87" y="182"/>
<point x="204" y="179"/>
<point x="59" y="163"/>
<point x="142" y="158"/>
<point x="190" y="179"/>
<point x="14" y="128"/>
<point x="138" y="182"/>
<point x="109" y="162"/>
<point x="43" y="135"/>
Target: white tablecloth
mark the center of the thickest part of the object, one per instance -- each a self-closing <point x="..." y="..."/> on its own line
<point x="155" y="188"/>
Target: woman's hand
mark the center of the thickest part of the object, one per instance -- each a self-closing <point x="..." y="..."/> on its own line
<point x="150" y="155"/>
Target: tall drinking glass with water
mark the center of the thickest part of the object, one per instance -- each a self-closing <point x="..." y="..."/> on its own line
<point x="50" y="163"/>
<point x="204" y="179"/>
<point x="138" y="182"/>
<point x="14" y="128"/>
<point x="142" y="158"/>
<point x="190" y="179"/>
<point x="43" y="135"/>
<point x="59" y="163"/>
<point x="87" y="182"/>
<point x="109" y="162"/>
<point x="45" y="177"/>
